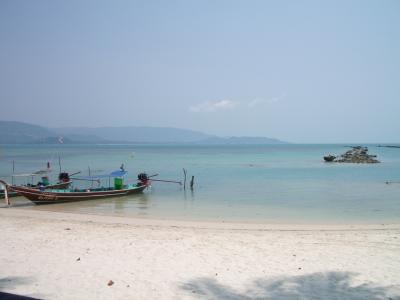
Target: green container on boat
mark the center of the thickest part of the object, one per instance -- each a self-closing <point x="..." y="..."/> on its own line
<point x="45" y="180"/>
<point x="118" y="183"/>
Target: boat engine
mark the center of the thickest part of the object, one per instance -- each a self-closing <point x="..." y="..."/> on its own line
<point x="144" y="179"/>
<point x="63" y="177"/>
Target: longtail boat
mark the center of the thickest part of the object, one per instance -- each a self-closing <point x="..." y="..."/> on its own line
<point x="64" y="183"/>
<point x="64" y="180"/>
<point x="70" y="195"/>
<point x="48" y="196"/>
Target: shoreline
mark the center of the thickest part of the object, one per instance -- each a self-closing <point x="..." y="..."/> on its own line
<point x="21" y="204"/>
<point x="198" y="224"/>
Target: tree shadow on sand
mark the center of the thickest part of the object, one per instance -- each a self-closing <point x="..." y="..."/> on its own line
<point x="8" y="283"/>
<point x="329" y="285"/>
<point x="12" y="281"/>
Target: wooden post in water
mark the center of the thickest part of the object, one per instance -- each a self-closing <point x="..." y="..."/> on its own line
<point x="12" y="176"/>
<point x="184" y="181"/>
<point x="6" y="193"/>
<point x="191" y="183"/>
<point x="6" y="196"/>
<point x="91" y="182"/>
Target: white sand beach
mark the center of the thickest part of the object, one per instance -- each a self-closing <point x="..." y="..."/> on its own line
<point x="51" y="255"/>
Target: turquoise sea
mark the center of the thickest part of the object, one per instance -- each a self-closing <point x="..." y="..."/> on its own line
<point x="254" y="183"/>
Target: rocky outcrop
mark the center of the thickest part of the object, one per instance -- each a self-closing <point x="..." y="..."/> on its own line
<point x="389" y="146"/>
<point x="358" y="155"/>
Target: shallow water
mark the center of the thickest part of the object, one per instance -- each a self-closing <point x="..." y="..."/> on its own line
<point x="268" y="183"/>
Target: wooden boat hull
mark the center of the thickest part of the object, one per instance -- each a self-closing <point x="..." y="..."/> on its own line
<point x="60" y="185"/>
<point x="49" y="197"/>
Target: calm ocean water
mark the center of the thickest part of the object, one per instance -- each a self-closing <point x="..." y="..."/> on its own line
<point x="266" y="183"/>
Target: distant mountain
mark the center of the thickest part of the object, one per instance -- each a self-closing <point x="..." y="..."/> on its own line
<point x="242" y="140"/>
<point x="136" y="134"/>
<point x="83" y="139"/>
<point x="157" y="135"/>
<point x="23" y="133"/>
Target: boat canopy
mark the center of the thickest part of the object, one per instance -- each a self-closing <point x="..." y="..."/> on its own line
<point x="118" y="173"/>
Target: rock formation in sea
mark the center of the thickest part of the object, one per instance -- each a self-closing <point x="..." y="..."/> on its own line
<point x="357" y="155"/>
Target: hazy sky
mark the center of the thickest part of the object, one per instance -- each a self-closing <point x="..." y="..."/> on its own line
<point x="301" y="71"/>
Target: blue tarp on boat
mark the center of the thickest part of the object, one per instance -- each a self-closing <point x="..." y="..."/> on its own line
<point x="118" y="173"/>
